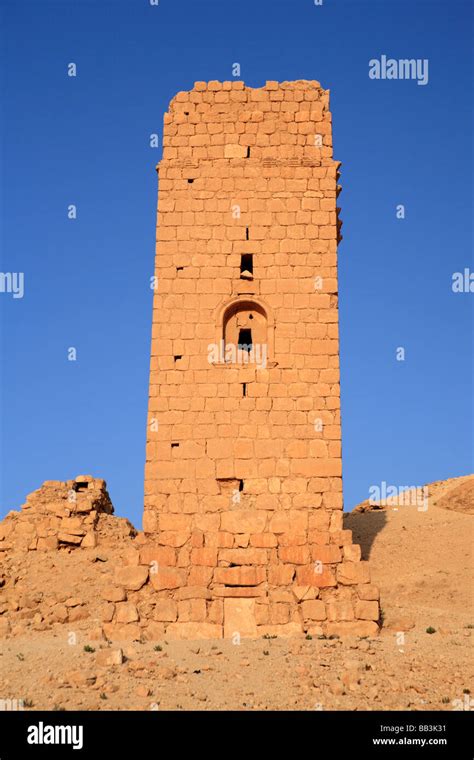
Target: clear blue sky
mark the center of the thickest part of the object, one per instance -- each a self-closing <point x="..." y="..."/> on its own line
<point x="85" y="141"/>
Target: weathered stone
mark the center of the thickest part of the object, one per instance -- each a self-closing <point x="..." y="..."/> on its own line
<point x="368" y="592"/>
<point x="154" y="632"/>
<point x="59" y="613"/>
<point x="314" y="610"/>
<point x="283" y="631"/>
<point x="367" y="610"/>
<point x="239" y="617"/>
<point x="113" y="594"/>
<point x="243" y="521"/>
<point x="340" y="610"/>
<point x="73" y="601"/>
<point x="109" y="657"/>
<point x="126" y="612"/>
<point x="166" y="610"/>
<point x="131" y="578"/>
<point x="107" y="612"/>
<point x="353" y="572"/>
<point x="81" y="678"/>
<point x="239" y="576"/>
<point x="167" y="578"/>
<point x="194" y="631"/>
<point x="78" y="613"/>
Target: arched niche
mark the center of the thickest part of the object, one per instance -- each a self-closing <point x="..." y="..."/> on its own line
<point x="245" y="331"/>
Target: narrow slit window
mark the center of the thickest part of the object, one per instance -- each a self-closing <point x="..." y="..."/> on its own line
<point x="245" y="339"/>
<point x="244" y="389"/>
<point x="179" y="269"/>
<point x="246" y="265"/>
<point x="241" y="485"/>
<point x="246" y="233"/>
<point x="175" y="445"/>
<point x="248" y="151"/>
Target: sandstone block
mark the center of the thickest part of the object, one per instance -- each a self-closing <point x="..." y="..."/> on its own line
<point x="192" y="610"/>
<point x="239" y="617"/>
<point x="352" y="552"/>
<point x="113" y="594"/>
<point x="235" y="151"/>
<point x="340" y="610"/>
<point x="167" y="578"/>
<point x="69" y="538"/>
<point x="263" y="540"/>
<point x="78" y="613"/>
<point x="314" y="609"/>
<point x="248" y="556"/>
<point x="368" y="592"/>
<point x="161" y="555"/>
<point x="109" y="657"/>
<point x="326" y="553"/>
<point x="280" y="575"/>
<point x="154" y="632"/>
<point x="166" y="610"/>
<point x="131" y="578"/>
<point x="194" y="631"/>
<point x="349" y="573"/>
<point x="205" y="556"/>
<point x="126" y="612"/>
<point x="314" y="575"/>
<point x="243" y="521"/>
<point x="239" y="576"/>
<point x="296" y="555"/>
<point x="107" y="612"/>
<point x="366" y="610"/>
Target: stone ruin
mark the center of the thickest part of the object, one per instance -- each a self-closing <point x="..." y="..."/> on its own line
<point x="243" y="482"/>
<point x="243" y="524"/>
<point x="59" y="514"/>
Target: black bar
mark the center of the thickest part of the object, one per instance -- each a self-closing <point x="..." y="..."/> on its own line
<point x="320" y="732"/>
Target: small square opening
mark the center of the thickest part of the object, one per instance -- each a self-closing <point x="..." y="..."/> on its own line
<point x="178" y="357"/>
<point x="245" y="339"/>
<point x="246" y="266"/>
<point x="79" y="486"/>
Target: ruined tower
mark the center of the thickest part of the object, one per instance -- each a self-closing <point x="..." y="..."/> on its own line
<point x="243" y="485"/>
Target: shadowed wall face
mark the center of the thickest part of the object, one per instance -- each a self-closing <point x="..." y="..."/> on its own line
<point x="243" y="473"/>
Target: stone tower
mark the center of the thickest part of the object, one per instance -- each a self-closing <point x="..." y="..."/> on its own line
<point x="243" y="486"/>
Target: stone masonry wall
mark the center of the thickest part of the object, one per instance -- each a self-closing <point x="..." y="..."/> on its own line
<point x="243" y="481"/>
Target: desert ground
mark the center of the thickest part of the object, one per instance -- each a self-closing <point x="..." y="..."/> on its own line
<point x="421" y="660"/>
